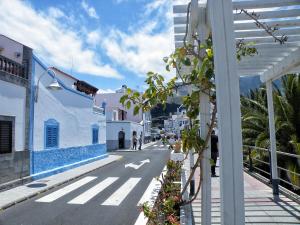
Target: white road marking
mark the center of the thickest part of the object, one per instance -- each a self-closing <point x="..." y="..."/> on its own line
<point x="149" y="196"/>
<point x="65" y="190"/>
<point x="92" y="192"/>
<point x="118" y="196"/>
<point x="134" y="166"/>
<point x="141" y="220"/>
<point x="155" y="145"/>
<point x="161" y="146"/>
<point x="151" y="193"/>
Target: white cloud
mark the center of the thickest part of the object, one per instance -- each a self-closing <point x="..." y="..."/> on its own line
<point x="143" y="50"/>
<point x="93" y="38"/>
<point x="105" y="91"/>
<point x="91" y="11"/>
<point x="55" y="12"/>
<point x="53" y="42"/>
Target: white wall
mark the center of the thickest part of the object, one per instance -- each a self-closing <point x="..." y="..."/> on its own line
<point x="10" y="47"/>
<point x="68" y="81"/>
<point x="113" y="129"/>
<point x="12" y="103"/>
<point x="113" y="101"/>
<point x="73" y="112"/>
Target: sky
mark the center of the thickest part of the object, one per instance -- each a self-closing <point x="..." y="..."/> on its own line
<point x="107" y="43"/>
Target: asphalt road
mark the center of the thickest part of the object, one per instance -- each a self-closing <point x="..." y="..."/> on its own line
<point x="106" y="196"/>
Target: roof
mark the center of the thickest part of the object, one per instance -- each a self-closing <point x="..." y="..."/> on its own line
<point x="64" y="73"/>
<point x="273" y="59"/>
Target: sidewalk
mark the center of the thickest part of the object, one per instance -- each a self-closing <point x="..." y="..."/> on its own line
<point x="260" y="206"/>
<point x="143" y="147"/>
<point x="21" y="193"/>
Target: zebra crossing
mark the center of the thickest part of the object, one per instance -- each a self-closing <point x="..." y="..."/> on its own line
<point x="114" y="199"/>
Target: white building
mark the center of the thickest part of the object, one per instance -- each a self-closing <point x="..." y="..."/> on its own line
<point x="68" y="128"/>
<point x="122" y="124"/>
<point x="176" y="123"/>
<point x="15" y="109"/>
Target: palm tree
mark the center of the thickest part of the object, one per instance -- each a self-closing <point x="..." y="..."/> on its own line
<point x="287" y="123"/>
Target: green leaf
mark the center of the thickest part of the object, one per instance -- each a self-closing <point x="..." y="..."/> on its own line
<point x="123" y="98"/>
<point x="129" y="91"/>
<point x="168" y="68"/>
<point x="128" y="105"/>
<point x="136" y="110"/>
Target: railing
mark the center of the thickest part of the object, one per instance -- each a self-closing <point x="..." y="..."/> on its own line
<point x="13" y="67"/>
<point x="259" y="160"/>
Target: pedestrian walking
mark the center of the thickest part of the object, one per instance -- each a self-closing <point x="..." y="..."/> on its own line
<point x="134" y="142"/>
<point x="214" y="152"/>
<point x="140" y="141"/>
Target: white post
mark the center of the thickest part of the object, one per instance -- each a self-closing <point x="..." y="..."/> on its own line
<point x="206" y="166"/>
<point x="275" y="180"/>
<point x="203" y="32"/>
<point x="229" y="113"/>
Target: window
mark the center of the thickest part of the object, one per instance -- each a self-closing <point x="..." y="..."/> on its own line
<point x="5" y="137"/>
<point x="103" y="106"/>
<point x="95" y="133"/>
<point x="51" y="133"/>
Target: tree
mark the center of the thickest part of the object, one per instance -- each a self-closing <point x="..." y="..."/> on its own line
<point x="287" y="123"/>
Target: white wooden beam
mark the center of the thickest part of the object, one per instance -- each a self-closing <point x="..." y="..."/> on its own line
<point x="272" y="130"/>
<point x="263" y="4"/>
<point x="269" y="39"/>
<point x="248" y="5"/>
<point x="270" y="14"/>
<point x="279" y="23"/>
<point x="229" y="114"/>
<point x="281" y="68"/>
<point x="203" y="33"/>
<point x="263" y="33"/>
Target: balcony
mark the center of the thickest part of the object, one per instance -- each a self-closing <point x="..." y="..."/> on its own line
<point x="13" y="68"/>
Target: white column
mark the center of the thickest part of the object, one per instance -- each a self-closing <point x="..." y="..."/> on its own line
<point x="229" y="113"/>
<point x="206" y="166"/>
<point x="272" y="133"/>
<point x="203" y="33"/>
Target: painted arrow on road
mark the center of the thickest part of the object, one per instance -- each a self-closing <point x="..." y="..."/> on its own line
<point x="136" y="167"/>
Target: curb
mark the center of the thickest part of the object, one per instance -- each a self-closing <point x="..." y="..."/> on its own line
<point x="4" y="207"/>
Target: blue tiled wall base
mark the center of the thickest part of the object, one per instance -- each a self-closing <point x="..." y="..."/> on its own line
<point x="51" y="161"/>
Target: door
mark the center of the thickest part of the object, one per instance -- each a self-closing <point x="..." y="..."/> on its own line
<point x="5" y="137"/>
<point x="121" y="139"/>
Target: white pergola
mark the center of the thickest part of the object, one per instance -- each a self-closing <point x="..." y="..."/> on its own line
<point x="228" y="26"/>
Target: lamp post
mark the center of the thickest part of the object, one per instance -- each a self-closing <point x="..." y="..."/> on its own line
<point x="54" y="85"/>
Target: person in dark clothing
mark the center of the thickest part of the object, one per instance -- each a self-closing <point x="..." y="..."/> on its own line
<point x="214" y="152"/>
<point x="134" y="140"/>
<point x="140" y="141"/>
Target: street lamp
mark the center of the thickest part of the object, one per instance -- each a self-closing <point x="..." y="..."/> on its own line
<point x="54" y="85"/>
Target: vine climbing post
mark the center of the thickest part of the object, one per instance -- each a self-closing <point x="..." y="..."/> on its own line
<point x="205" y="175"/>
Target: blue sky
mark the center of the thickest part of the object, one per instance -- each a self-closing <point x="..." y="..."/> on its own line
<point x="104" y="42"/>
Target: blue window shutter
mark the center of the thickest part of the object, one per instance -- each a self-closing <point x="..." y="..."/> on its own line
<point x="95" y="135"/>
<point x="51" y="133"/>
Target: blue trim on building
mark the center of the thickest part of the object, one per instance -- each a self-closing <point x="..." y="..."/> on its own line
<point x="31" y="113"/>
<point x="53" y="161"/>
<point x="59" y="81"/>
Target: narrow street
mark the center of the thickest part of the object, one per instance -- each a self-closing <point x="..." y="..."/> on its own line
<point x="106" y="196"/>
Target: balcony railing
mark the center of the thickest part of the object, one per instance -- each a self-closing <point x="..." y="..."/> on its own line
<point x="13" y="67"/>
<point x="259" y="160"/>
